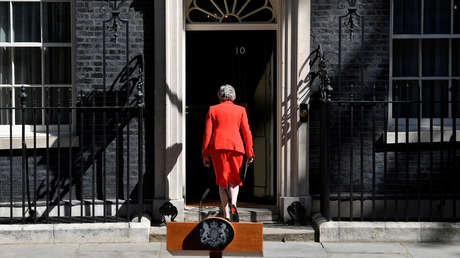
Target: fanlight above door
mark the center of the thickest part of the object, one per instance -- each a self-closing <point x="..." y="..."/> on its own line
<point x="231" y="11"/>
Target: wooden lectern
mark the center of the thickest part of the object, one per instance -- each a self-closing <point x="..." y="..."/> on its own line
<point x="183" y="238"/>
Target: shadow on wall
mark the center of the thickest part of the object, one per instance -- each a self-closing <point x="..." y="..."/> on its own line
<point x="102" y="135"/>
<point x="155" y="89"/>
<point x="358" y="65"/>
<point x="146" y="9"/>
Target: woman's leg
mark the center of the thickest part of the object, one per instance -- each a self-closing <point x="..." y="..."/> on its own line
<point x="234" y="193"/>
<point x="224" y="202"/>
<point x="235" y="163"/>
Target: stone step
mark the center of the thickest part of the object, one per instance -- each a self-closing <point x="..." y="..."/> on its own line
<point x="272" y="232"/>
<point x="247" y="214"/>
<point x="269" y="215"/>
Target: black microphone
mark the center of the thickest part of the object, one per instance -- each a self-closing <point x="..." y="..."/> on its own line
<point x="201" y="200"/>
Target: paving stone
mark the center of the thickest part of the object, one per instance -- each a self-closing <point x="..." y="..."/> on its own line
<point x="293" y="249"/>
<point x="364" y="248"/>
<point x="367" y="256"/>
<point x="119" y="250"/>
<point x="38" y="250"/>
<point x="430" y="250"/>
<point x="279" y="232"/>
<point x="271" y="249"/>
<point x="165" y="254"/>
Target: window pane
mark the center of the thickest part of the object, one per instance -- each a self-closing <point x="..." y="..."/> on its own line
<point x="5" y="101"/>
<point x="58" y="97"/>
<point x="56" y="22"/>
<point x="456" y="57"/>
<point x="435" y="60"/>
<point x="57" y="65"/>
<point x="456" y="98"/>
<point x="435" y="98"/>
<point x="436" y="17"/>
<point x="27" y="65"/>
<point x="26" y="20"/>
<point x="5" y="65"/>
<point x="406" y="17"/>
<point x="457" y="16"/>
<point x="254" y="7"/>
<point x="197" y="15"/>
<point x="4" y="22"/>
<point x="33" y="99"/>
<point x="405" y="57"/>
<point x="405" y="91"/>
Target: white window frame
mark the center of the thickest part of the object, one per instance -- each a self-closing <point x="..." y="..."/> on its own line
<point x="40" y="129"/>
<point x="425" y="122"/>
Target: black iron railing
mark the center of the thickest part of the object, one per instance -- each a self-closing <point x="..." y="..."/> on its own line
<point x="384" y="154"/>
<point x="84" y="161"/>
<point x="377" y="165"/>
<point x="87" y="166"/>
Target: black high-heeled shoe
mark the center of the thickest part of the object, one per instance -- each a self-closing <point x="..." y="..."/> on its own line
<point x="234" y="214"/>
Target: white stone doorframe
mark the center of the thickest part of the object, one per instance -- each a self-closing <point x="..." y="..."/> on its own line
<point x="293" y="47"/>
<point x="293" y="143"/>
<point x="169" y="51"/>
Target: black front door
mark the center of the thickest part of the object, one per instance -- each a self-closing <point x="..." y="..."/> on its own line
<point x="245" y="60"/>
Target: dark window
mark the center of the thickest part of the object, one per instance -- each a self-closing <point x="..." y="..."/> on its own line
<point x="56" y="22"/>
<point x="456" y="57"/>
<point x="405" y="57"/>
<point x="435" y="57"/>
<point x="406" y="91"/>
<point x="4" y="22"/>
<point x="436" y="17"/>
<point x="57" y="65"/>
<point x="456" y="98"/>
<point x="58" y="97"/>
<point x="434" y="96"/>
<point x="5" y="65"/>
<point x="26" y="20"/>
<point x="406" y="18"/>
<point x="425" y="57"/>
<point x="35" y="52"/>
<point x="456" y="8"/>
<point x="27" y="65"/>
<point x="34" y="99"/>
<point x="5" y="102"/>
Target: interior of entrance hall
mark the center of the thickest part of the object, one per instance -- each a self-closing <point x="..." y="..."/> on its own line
<point x="247" y="61"/>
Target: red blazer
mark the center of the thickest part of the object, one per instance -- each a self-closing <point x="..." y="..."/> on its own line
<point x="222" y="130"/>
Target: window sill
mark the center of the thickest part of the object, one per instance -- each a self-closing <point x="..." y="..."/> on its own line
<point x="63" y="141"/>
<point x="425" y="136"/>
<point x="413" y="142"/>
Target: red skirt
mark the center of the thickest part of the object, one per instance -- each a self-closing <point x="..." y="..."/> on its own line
<point x="227" y="167"/>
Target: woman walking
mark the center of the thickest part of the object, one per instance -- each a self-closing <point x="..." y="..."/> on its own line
<point x="222" y="143"/>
